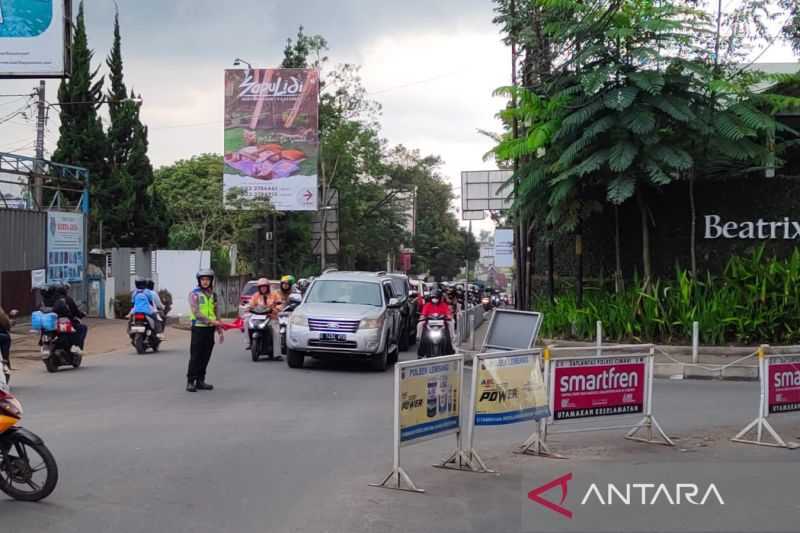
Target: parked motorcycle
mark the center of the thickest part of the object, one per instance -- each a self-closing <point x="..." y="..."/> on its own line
<point x="28" y="471"/>
<point x="259" y="324"/>
<point x="295" y="299"/>
<point x="435" y="339"/>
<point x="142" y="333"/>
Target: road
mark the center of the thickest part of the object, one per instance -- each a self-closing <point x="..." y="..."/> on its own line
<point x="279" y="450"/>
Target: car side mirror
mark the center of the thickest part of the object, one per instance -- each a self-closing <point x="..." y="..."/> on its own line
<point x="295" y="298"/>
<point x="394" y="302"/>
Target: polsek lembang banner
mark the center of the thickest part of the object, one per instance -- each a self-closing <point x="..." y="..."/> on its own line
<point x="272" y="137"/>
<point x="510" y="389"/>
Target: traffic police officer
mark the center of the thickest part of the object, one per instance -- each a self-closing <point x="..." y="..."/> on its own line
<point x="203" y="303"/>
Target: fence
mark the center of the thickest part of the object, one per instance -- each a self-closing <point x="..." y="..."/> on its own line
<point x="468" y="321"/>
<point x="779" y="380"/>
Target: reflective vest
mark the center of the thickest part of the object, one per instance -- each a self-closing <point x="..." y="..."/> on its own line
<point x="205" y="305"/>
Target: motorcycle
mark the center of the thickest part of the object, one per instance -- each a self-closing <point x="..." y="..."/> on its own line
<point x="295" y="299"/>
<point x="28" y="471"/>
<point x="259" y="324"/>
<point x="142" y="333"/>
<point x="435" y="338"/>
<point x="58" y="344"/>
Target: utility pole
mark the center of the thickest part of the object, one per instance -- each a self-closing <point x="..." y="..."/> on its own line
<point x="41" y="122"/>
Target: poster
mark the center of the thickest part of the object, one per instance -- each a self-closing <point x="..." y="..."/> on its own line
<point x="510" y="390"/>
<point x="32" y="37"/>
<point x="429" y="400"/>
<point x="65" y="247"/>
<point x="272" y="137"/>
<point x="584" y="388"/>
<point x="504" y="248"/>
<point x="783" y="374"/>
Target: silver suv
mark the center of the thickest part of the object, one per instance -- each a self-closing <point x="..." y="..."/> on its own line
<point x="347" y="313"/>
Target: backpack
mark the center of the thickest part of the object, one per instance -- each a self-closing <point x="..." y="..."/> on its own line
<point x="142" y="300"/>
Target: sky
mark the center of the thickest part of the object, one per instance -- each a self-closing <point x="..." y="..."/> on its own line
<point x="432" y="65"/>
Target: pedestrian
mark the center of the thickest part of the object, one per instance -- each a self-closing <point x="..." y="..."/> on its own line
<point x="203" y="303"/>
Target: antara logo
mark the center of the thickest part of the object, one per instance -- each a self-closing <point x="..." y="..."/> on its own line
<point x="647" y="494"/>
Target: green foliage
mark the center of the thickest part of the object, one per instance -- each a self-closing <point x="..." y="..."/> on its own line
<point x="755" y="300"/>
<point x="122" y="305"/>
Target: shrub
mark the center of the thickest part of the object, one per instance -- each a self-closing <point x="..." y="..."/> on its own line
<point x="122" y="305"/>
<point x="755" y="300"/>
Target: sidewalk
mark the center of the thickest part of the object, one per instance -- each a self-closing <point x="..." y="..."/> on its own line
<point x="105" y="336"/>
<point x="734" y="363"/>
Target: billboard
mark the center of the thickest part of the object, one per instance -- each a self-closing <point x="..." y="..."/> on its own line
<point x="783" y="384"/>
<point x="429" y="399"/>
<point x="504" y="248"/>
<point x="65" y="247"/>
<point x="272" y="136"/>
<point x="590" y="387"/>
<point x="34" y="38"/>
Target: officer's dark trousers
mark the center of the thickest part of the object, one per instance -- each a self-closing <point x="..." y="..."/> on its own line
<point x="200" y="350"/>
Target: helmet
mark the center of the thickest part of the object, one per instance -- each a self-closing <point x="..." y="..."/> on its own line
<point x="302" y="284"/>
<point x="289" y="279"/>
<point x="67" y="286"/>
<point x="59" y="290"/>
<point x="436" y="293"/>
<point x="205" y="273"/>
<point x="140" y="283"/>
<point x="262" y="282"/>
<point x="151" y="284"/>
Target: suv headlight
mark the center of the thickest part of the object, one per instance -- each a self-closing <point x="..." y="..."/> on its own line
<point x="298" y="320"/>
<point x="371" y="323"/>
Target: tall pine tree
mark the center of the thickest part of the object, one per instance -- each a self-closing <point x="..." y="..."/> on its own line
<point x="82" y="141"/>
<point x="143" y="223"/>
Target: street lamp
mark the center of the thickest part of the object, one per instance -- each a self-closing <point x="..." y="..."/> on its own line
<point x="238" y="61"/>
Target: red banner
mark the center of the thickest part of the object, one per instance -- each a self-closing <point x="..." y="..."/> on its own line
<point x="585" y="388"/>
<point x="405" y="261"/>
<point x="783" y="386"/>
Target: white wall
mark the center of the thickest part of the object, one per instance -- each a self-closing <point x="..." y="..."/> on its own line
<point x="175" y="271"/>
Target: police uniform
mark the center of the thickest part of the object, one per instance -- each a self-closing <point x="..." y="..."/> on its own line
<point x="202" y="343"/>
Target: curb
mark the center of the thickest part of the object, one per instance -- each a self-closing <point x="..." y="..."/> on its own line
<point x="684" y="371"/>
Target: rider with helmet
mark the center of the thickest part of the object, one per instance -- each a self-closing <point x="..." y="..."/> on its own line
<point x="204" y="312"/>
<point x="65" y="307"/>
<point x="159" y="305"/>
<point x="143" y="302"/>
<point x="302" y="285"/>
<point x="436" y="306"/>
<point x="259" y="299"/>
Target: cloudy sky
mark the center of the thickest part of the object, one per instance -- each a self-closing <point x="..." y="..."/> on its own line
<point x="432" y="65"/>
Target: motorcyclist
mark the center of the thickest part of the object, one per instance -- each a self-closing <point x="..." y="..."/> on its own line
<point x="144" y="303"/>
<point x="259" y="299"/>
<point x="6" y="322"/>
<point x="160" y="317"/>
<point x="65" y="307"/>
<point x="436" y="306"/>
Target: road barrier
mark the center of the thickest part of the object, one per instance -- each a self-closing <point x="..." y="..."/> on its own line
<point x="468" y="321"/>
<point x="612" y="381"/>
<point x="507" y="388"/>
<point x="427" y="405"/>
<point x="779" y="379"/>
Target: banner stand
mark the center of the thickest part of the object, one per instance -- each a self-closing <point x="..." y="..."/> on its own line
<point x="536" y="444"/>
<point x="398" y="479"/>
<point x="761" y="423"/>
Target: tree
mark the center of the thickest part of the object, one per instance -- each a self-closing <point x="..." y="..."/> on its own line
<point x="192" y="193"/>
<point x="81" y="139"/>
<point x="140" y="223"/>
<point x="625" y="111"/>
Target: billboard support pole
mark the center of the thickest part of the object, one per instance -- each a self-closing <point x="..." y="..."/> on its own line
<point x="760" y="423"/>
<point x="649" y="421"/>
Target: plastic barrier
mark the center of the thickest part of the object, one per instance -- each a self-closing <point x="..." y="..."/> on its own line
<point x="617" y="382"/>
<point x="779" y="379"/>
<point x="427" y="405"/>
<point x="507" y="388"/>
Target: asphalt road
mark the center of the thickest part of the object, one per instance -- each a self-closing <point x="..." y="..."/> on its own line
<point x="279" y="450"/>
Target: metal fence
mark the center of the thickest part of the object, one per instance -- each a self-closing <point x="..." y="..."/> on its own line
<point x="467" y="321"/>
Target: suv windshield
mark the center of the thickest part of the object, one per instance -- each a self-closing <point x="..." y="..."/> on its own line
<point x="345" y="292"/>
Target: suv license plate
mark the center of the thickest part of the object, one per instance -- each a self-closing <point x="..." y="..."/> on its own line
<point x="338" y="337"/>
